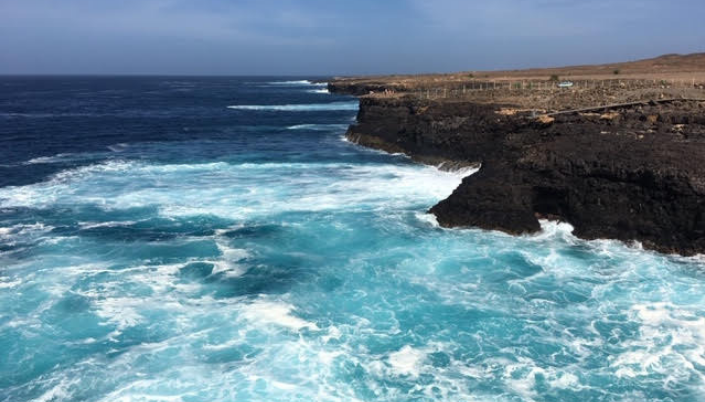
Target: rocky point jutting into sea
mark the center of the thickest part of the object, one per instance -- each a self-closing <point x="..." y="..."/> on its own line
<point x="617" y="151"/>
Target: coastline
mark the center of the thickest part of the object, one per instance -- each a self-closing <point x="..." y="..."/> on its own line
<point x="630" y="172"/>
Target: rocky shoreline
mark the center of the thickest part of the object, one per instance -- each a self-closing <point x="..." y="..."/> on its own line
<point x="632" y="173"/>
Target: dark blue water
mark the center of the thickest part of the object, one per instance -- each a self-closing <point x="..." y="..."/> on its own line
<point x="215" y="239"/>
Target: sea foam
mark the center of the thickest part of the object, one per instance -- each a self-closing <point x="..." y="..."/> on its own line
<point x="319" y="127"/>
<point x="323" y="91"/>
<point x="297" y="83"/>
<point x="314" y="107"/>
<point x="275" y="313"/>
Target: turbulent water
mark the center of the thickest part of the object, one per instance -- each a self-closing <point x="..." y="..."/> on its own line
<point x="183" y="239"/>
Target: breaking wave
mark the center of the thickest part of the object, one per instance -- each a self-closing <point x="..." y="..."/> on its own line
<point x="314" y="107"/>
<point x="324" y="91"/>
<point x="298" y="83"/>
<point x="319" y="127"/>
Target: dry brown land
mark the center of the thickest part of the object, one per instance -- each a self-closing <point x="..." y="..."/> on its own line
<point x="669" y="76"/>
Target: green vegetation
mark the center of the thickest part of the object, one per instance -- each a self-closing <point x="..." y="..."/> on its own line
<point x="554" y="78"/>
<point x="617" y="71"/>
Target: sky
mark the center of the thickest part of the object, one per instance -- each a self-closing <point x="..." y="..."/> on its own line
<point x="337" y="37"/>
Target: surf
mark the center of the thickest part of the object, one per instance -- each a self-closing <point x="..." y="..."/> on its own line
<point x="259" y="256"/>
<point x="312" y="107"/>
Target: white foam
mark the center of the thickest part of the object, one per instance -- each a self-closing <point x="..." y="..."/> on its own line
<point x="311" y="107"/>
<point x="284" y="386"/>
<point x="428" y="219"/>
<point x="324" y="91"/>
<point x="319" y="127"/>
<point x="228" y="262"/>
<point x="6" y="283"/>
<point x="298" y="83"/>
<point x="238" y="191"/>
<point x="59" y="392"/>
<point x="407" y="361"/>
<point x="554" y="229"/>
<point x="275" y="313"/>
<point x="671" y="344"/>
<point x="564" y="381"/>
<point x="327" y="358"/>
<point x="295" y="82"/>
<point x="521" y="377"/>
<point x="118" y="147"/>
<point x="110" y="224"/>
<point x="121" y="312"/>
<point x="45" y="160"/>
<point x="24" y="230"/>
<point x="333" y="333"/>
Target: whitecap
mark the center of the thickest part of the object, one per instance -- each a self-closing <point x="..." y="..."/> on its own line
<point x="318" y="127"/>
<point x="298" y="83"/>
<point x="111" y="224"/>
<point x="671" y="342"/>
<point x="46" y="160"/>
<point x="34" y="229"/>
<point x="227" y="264"/>
<point x="428" y="219"/>
<point x="59" y="392"/>
<point x="118" y="147"/>
<point x="312" y="107"/>
<point x="552" y="229"/>
<point x="564" y="381"/>
<point x="120" y="311"/>
<point x="187" y="190"/>
<point x="6" y="283"/>
<point x="275" y="313"/>
<point x="406" y="361"/>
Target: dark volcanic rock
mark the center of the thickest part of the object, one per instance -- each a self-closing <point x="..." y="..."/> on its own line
<point x="631" y="174"/>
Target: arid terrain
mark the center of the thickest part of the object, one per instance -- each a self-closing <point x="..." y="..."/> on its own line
<point x="665" y="77"/>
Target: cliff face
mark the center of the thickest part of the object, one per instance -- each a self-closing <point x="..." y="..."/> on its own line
<point x="636" y="173"/>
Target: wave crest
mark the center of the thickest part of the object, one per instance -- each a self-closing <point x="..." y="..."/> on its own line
<point x="298" y="83"/>
<point x="311" y="107"/>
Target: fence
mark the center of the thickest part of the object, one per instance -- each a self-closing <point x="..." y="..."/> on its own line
<point x="472" y="88"/>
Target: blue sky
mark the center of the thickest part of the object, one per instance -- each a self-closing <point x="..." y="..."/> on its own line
<point x="305" y="37"/>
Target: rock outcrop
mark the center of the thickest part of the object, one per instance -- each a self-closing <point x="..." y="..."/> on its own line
<point x="635" y="173"/>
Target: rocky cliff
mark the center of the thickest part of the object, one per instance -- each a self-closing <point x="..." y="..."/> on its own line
<point x="635" y="173"/>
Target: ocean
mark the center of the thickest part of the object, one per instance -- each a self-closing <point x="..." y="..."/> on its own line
<point x="217" y="239"/>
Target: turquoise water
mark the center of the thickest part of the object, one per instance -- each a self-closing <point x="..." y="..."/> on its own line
<point x="257" y="256"/>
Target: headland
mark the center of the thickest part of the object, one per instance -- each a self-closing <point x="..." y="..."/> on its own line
<point x="616" y="150"/>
